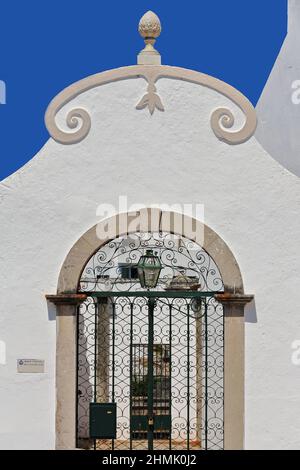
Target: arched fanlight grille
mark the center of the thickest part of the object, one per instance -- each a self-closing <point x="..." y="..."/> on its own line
<point x="114" y="266"/>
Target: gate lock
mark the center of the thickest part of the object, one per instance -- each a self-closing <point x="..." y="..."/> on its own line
<point x="150" y="421"/>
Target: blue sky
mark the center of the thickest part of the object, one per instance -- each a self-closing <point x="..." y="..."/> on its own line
<point x="47" y="45"/>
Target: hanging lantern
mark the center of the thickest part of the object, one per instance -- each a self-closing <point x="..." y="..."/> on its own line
<point x="149" y="267"/>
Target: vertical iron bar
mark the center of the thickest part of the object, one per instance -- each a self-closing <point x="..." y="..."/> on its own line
<point x="170" y="376"/>
<point x="131" y="371"/>
<point x="113" y="364"/>
<point x="141" y="353"/>
<point x="223" y="350"/>
<point x="206" y="377"/>
<point x="77" y="370"/>
<point x="151" y="304"/>
<point x="95" y="358"/>
<point x="188" y="376"/>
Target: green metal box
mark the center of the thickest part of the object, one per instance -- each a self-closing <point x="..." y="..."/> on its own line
<point x="103" y="420"/>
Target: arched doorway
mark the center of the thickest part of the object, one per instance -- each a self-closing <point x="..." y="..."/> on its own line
<point x="72" y="291"/>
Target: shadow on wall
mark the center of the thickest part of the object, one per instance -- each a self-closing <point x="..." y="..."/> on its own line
<point x="51" y="311"/>
<point x="250" y="312"/>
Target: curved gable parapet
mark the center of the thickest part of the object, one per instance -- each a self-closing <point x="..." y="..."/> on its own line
<point x="222" y="119"/>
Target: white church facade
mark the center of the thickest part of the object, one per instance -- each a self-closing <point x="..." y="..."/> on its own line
<point x="94" y="355"/>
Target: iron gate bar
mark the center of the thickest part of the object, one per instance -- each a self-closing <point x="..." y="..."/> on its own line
<point x="113" y="360"/>
<point x="206" y="377"/>
<point x="155" y="294"/>
<point x="95" y="361"/>
<point x="131" y="371"/>
<point x="151" y="306"/>
<point x="188" y="377"/>
<point x="170" y="372"/>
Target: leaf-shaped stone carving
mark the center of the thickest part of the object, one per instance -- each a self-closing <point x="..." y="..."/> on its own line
<point x="151" y="99"/>
<point x="158" y="103"/>
<point x="144" y="102"/>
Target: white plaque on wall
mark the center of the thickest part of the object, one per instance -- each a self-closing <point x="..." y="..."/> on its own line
<point x="31" y="366"/>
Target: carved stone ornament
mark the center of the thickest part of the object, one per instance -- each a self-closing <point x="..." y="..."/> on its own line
<point x="222" y="119"/>
<point x="79" y="121"/>
<point x="151" y="100"/>
<point x="149" y="29"/>
<point x="149" y="25"/>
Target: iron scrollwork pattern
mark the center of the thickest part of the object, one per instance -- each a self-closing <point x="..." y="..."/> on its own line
<point x="188" y="342"/>
<point x="177" y="255"/>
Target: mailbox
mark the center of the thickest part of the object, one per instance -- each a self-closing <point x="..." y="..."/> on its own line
<point x="103" y="420"/>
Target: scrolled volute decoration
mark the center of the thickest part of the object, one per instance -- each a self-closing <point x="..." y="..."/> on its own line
<point x="77" y="119"/>
<point x="222" y="119"/>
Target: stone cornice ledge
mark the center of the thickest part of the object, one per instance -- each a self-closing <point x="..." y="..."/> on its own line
<point x="66" y="299"/>
<point x="79" y="120"/>
<point x="233" y="299"/>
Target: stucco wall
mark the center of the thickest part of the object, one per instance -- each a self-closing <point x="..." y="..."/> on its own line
<point x="171" y="157"/>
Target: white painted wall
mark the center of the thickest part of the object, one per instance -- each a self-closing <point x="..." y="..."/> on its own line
<point x="278" y="109"/>
<point x="250" y="200"/>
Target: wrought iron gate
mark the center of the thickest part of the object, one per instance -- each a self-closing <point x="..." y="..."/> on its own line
<point x="157" y="359"/>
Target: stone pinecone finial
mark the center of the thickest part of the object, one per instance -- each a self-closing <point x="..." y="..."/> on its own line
<point x="149" y="29"/>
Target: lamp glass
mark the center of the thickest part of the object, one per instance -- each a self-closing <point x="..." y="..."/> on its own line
<point x="149" y="268"/>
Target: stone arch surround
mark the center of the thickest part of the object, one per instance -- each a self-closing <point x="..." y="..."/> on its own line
<point x="67" y="300"/>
